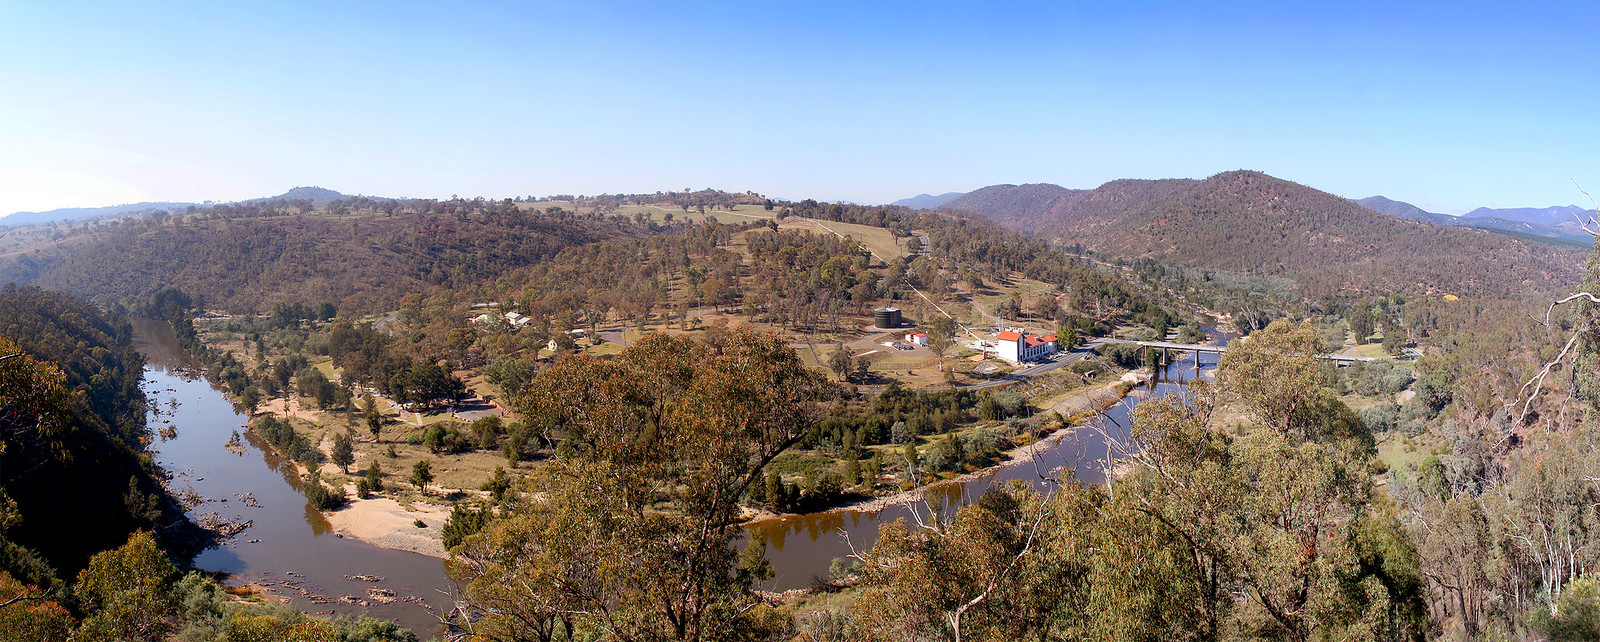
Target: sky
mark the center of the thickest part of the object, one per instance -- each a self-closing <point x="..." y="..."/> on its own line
<point x="1446" y="105"/>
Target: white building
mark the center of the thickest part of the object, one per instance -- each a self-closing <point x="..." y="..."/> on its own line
<point x="1017" y="347"/>
<point x="917" y="338"/>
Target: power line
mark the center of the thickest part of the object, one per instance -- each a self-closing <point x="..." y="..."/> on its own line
<point x="904" y="279"/>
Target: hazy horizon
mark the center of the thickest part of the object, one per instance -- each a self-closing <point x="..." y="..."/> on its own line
<point x="1448" y="107"/>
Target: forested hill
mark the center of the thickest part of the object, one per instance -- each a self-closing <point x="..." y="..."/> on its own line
<point x="249" y="257"/>
<point x="1040" y="208"/>
<point x="72" y="439"/>
<point x="1249" y="222"/>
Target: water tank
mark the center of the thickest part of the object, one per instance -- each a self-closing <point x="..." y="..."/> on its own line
<point x="886" y="317"/>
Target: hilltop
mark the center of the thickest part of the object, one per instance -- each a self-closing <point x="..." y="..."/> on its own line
<point x="1042" y="207"/>
<point x="318" y="196"/>
<point x="1251" y="223"/>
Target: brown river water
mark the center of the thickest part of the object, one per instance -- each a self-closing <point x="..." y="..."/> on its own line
<point x="297" y="556"/>
<point x="296" y="550"/>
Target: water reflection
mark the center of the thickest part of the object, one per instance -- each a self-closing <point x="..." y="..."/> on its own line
<point x="285" y="535"/>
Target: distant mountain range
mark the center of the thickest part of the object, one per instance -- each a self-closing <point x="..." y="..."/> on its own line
<point x="317" y="195"/>
<point x="928" y="201"/>
<point x="1560" y="222"/>
<point x="88" y="213"/>
<point x="1246" y="222"/>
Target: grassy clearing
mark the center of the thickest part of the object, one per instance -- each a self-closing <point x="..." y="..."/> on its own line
<point x="658" y="213"/>
<point x="1373" y="350"/>
<point x="1029" y="289"/>
<point x="881" y="241"/>
<point x="1058" y="386"/>
<point x="1397" y="450"/>
<point x="460" y="472"/>
<point x="606" y="349"/>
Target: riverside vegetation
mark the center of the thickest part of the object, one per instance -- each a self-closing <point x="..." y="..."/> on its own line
<point x="1288" y="500"/>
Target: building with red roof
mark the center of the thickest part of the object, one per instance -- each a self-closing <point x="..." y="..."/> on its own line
<point x="1017" y="347"/>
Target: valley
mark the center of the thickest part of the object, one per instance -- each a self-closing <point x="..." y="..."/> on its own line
<point x="414" y="385"/>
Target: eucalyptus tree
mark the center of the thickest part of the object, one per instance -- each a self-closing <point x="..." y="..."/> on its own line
<point x="629" y="531"/>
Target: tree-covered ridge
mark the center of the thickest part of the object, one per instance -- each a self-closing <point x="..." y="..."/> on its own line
<point x="73" y="457"/>
<point x="1248" y="222"/>
<point x="964" y="247"/>
<point x="247" y="258"/>
<point x="1042" y="208"/>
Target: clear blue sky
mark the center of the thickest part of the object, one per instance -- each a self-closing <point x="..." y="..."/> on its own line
<point x="1447" y="105"/>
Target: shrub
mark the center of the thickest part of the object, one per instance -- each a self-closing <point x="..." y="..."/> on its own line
<point x="463" y="523"/>
<point x="1122" y="354"/>
<point x="321" y="496"/>
<point x="293" y="445"/>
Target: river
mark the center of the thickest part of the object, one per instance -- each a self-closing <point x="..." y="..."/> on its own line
<point x="801" y="547"/>
<point x="295" y="554"/>
<point x="288" y="547"/>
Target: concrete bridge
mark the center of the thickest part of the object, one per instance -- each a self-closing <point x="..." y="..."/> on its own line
<point x="1216" y="349"/>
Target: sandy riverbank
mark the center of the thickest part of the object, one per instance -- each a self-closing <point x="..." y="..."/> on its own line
<point x="381" y="521"/>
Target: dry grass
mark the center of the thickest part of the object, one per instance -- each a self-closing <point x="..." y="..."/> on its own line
<point x="879" y="240"/>
<point x="658" y="213"/>
<point x="1374" y="350"/>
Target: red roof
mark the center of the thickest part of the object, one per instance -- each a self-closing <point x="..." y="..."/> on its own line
<point x="1010" y="336"/>
<point x="919" y="334"/>
<point x="1035" y="340"/>
<point x="1050" y="337"/>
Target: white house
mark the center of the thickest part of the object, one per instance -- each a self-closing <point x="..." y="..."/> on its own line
<point x="917" y="338"/>
<point x="1017" y="347"/>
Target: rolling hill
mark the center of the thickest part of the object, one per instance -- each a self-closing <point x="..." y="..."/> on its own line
<point x="927" y="201"/>
<point x="87" y="213"/>
<point x="317" y="195"/>
<point x="1401" y="209"/>
<point x="1249" y="222"/>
